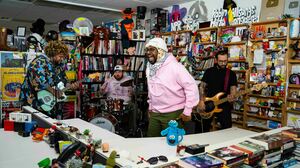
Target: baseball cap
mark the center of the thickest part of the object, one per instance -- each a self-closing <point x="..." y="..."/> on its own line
<point x="118" y="68"/>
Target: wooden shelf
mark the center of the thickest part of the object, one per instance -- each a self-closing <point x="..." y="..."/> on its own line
<point x="237" y="122"/>
<point x="270" y="84"/>
<point x="232" y="61"/>
<point x="263" y="117"/>
<point x="293" y="100"/>
<point x="241" y="82"/>
<point x="295" y="38"/>
<point x="293" y="61"/>
<point x="268" y="22"/>
<point x="270" y="39"/>
<point x="293" y="111"/>
<point x="235" y="43"/>
<point x="237" y="112"/>
<point x="207" y="43"/>
<point x="237" y="25"/>
<point x="267" y="97"/>
<point x="180" y="55"/>
<point x="295" y="86"/>
<point x="260" y="128"/>
<point x="207" y="29"/>
<point x="266" y="107"/>
<point x="240" y="71"/>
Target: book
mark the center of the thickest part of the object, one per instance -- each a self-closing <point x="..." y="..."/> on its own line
<point x="293" y="133"/>
<point x="201" y="161"/>
<point x="252" y="149"/>
<point x="172" y="165"/>
<point x="268" y="141"/>
<point x="228" y="155"/>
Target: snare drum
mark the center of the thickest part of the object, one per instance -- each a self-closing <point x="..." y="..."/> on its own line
<point x="105" y="121"/>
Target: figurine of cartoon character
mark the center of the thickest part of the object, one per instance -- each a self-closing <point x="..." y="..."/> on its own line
<point x="174" y="134"/>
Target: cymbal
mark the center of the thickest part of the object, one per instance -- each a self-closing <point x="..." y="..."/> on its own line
<point x="127" y="83"/>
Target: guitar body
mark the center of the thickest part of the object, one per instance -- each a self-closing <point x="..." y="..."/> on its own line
<point x="210" y="108"/>
<point x="211" y="103"/>
<point x="47" y="99"/>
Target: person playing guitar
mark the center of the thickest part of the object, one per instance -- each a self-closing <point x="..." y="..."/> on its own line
<point x="215" y="80"/>
<point x="44" y="73"/>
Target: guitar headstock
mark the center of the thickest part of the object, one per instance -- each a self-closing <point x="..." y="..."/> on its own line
<point x="259" y="86"/>
<point x="94" y="75"/>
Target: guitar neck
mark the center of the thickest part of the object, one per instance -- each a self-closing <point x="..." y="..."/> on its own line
<point x="221" y="101"/>
<point x="77" y="82"/>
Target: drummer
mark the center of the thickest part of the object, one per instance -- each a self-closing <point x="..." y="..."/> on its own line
<point x="112" y="87"/>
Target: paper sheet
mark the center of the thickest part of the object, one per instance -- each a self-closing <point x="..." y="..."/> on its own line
<point x="258" y="56"/>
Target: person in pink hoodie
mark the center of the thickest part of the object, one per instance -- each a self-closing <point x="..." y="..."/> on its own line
<point x="172" y="91"/>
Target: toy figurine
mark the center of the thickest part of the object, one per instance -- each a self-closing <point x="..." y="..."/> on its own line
<point x="174" y="134"/>
<point x="111" y="161"/>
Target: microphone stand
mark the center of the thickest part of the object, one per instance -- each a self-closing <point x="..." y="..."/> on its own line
<point x="136" y="73"/>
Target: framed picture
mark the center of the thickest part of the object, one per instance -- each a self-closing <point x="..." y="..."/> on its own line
<point x="21" y="31"/>
<point x="135" y="35"/>
<point x="142" y="35"/>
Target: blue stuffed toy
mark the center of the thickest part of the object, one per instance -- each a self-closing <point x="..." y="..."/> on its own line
<point x="174" y="134"/>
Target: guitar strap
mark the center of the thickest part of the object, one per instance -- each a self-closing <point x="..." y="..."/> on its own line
<point x="226" y="80"/>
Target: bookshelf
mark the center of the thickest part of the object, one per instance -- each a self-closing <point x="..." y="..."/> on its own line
<point x="293" y="89"/>
<point x="103" y="59"/>
<point x="269" y="41"/>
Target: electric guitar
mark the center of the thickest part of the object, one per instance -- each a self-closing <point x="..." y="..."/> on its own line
<point x="211" y="103"/>
<point x="48" y="100"/>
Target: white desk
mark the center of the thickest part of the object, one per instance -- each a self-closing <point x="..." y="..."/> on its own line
<point x="149" y="147"/>
<point x="145" y="147"/>
<point x="17" y="151"/>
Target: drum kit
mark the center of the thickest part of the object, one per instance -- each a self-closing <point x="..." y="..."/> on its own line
<point x="114" y="114"/>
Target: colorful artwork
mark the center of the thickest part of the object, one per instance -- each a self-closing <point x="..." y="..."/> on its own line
<point x="12" y="79"/>
<point x="12" y="59"/>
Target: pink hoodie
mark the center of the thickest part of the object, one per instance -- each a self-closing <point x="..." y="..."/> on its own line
<point x="172" y="88"/>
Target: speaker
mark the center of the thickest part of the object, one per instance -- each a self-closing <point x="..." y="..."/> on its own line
<point x="141" y="12"/>
<point x="158" y="19"/>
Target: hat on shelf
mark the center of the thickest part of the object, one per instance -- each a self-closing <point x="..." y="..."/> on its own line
<point x="158" y="43"/>
<point x="38" y="26"/>
<point x="118" y="68"/>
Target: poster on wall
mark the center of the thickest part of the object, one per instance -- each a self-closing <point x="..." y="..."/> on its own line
<point x="271" y="9"/>
<point x="293" y="120"/>
<point x="188" y="15"/>
<point x="11" y="81"/>
<point x="292" y="7"/>
<point x="12" y="59"/>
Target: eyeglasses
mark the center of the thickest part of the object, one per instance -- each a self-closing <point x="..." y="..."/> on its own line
<point x="223" y="62"/>
<point x="154" y="160"/>
<point x="150" y="49"/>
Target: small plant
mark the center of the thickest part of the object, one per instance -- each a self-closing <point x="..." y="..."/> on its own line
<point x="86" y="132"/>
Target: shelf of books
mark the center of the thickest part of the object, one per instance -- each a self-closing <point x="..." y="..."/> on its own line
<point x="102" y="57"/>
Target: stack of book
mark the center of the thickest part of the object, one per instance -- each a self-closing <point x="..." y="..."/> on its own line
<point x="255" y="152"/>
<point x="272" y="146"/>
<point x="230" y="156"/>
<point x="201" y="160"/>
<point x="295" y="134"/>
